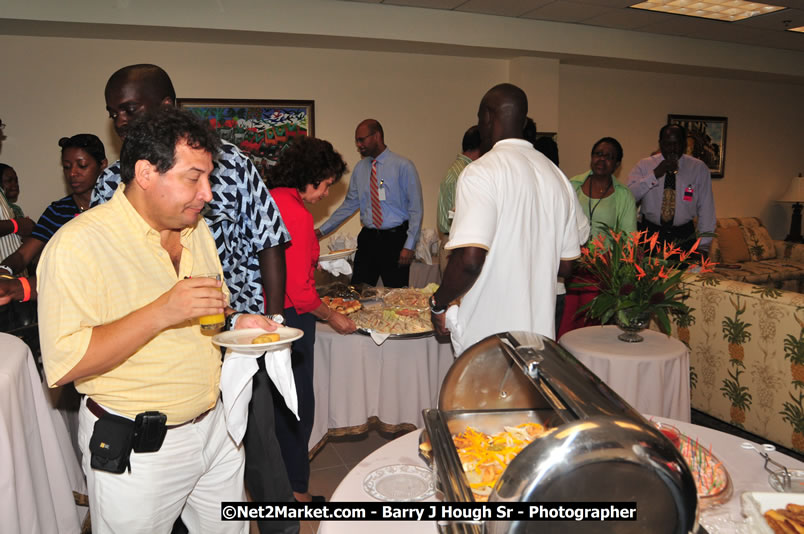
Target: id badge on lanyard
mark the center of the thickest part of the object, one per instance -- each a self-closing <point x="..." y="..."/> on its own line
<point x="688" y="193"/>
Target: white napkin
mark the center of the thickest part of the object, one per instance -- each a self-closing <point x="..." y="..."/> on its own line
<point x="237" y="373"/>
<point x="342" y="241"/>
<point x="336" y="267"/>
<point x="379" y="338"/>
<point x="456" y="330"/>
<point x="277" y="364"/>
<point x="425" y="245"/>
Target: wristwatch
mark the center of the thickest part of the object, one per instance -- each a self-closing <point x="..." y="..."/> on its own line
<point x="434" y="308"/>
<point x="231" y="320"/>
<point x="277" y="318"/>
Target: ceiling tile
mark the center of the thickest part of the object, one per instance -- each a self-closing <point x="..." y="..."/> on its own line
<point x="680" y="25"/>
<point x="788" y="40"/>
<point x="433" y="4"/>
<point x="565" y="11"/>
<point x="507" y="8"/>
<point x="610" y="3"/>
<point x="775" y="21"/>
<point x="626" y="19"/>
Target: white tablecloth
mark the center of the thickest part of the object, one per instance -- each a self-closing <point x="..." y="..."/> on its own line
<point x="39" y="468"/>
<point x="652" y="376"/>
<point x="355" y="380"/>
<point x="744" y="466"/>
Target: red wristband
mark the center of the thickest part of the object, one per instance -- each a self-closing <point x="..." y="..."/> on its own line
<point x="26" y="289"/>
<point x="16" y="226"/>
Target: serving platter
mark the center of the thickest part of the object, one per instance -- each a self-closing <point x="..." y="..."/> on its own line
<point x="416" y="335"/>
<point x="337" y="255"/>
<point x="240" y="340"/>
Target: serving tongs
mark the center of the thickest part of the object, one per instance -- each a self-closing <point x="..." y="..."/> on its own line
<point x="782" y="475"/>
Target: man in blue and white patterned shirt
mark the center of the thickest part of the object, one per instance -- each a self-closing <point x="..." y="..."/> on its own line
<point x="249" y="234"/>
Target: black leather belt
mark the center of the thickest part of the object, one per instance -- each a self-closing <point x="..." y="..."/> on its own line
<point x="98" y="411"/>
<point x="396" y="229"/>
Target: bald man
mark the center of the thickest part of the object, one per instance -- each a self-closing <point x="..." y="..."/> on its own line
<point x="385" y="188"/>
<point x="514" y="231"/>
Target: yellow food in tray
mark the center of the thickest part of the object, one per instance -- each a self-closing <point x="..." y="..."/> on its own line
<point x="265" y="338"/>
<point x="786" y="520"/>
<point x="484" y="457"/>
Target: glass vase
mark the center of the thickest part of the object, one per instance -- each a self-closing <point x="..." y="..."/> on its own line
<point x="632" y="327"/>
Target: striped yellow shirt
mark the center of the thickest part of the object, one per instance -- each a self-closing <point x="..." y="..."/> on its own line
<point x="102" y="266"/>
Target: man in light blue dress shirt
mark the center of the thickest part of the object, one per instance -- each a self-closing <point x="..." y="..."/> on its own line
<point x="390" y="210"/>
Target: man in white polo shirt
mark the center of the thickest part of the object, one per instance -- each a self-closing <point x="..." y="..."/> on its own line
<point x="514" y="228"/>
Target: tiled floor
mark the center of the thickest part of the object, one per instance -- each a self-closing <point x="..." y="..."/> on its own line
<point x="333" y="461"/>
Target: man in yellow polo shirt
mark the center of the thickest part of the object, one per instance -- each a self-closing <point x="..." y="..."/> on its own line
<point x="119" y="302"/>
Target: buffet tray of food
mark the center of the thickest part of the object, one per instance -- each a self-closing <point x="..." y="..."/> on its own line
<point x="399" y="313"/>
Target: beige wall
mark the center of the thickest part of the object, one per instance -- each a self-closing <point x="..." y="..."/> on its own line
<point x="53" y="87"/>
<point x="763" y="147"/>
<point x="424" y="102"/>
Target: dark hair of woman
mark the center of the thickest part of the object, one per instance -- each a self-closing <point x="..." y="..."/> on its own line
<point x="618" y="149"/>
<point x="88" y="142"/>
<point x="307" y="160"/>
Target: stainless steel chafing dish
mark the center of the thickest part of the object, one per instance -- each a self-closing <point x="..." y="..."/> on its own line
<point x="599" y="449"/>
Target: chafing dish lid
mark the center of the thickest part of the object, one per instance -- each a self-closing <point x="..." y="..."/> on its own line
<point x="523" y="370"/>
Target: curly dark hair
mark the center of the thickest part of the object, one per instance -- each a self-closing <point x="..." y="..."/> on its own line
<point x="306" y="161"/>
<point x="153" y="136"/>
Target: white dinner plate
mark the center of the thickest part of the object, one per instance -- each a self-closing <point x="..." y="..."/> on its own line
<point x="240" y="340"/>
<point x="337" y="255"/>
<point x="400" y="483"/>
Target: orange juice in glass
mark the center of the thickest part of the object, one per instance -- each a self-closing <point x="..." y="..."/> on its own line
<point x="213" y="322"/>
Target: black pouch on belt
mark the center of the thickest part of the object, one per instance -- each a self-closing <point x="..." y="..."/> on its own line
<point x="110" y="443"/>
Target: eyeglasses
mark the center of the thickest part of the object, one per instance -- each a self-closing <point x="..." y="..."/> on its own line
<point x="362" y="139"/>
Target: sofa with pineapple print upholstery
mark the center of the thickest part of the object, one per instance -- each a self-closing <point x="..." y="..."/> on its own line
<point x="744" y="251"/>
<point x="746" y="346"/>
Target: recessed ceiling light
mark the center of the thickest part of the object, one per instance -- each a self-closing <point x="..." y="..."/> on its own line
<point x="726" y="10"/>
<point x="800" y="29"/>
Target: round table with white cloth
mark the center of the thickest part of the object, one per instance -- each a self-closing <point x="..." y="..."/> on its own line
<point x="39" y="469"/>
<point x="745" y="467"/>
<point x="653" y="376"/>
<point x="357" y="382"/>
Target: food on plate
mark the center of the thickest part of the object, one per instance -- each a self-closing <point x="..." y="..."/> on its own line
<point x="411" y="297"/>
<point x="709" y="474"/>
<point x="342" y="305"/>
<point x="265" y="338"/>
<point x="484" y="457"/>
<point x="786" y="520"/>
<point x="394" y="320"/>
<point x="339" y="289"/>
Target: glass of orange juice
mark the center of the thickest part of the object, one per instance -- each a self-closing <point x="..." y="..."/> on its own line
<point x="211" y="322"/>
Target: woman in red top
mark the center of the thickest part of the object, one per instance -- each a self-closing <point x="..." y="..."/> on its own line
<point x="304" y="173"/>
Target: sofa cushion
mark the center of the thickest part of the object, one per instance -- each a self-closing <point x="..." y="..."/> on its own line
<point x="760" y="244"/>
<point x="732" y="245"/>
<point x="774" y="273"/>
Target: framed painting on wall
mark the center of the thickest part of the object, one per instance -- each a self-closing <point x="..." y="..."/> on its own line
<point x="706" y="140"/>
<point x="260" y="128"/>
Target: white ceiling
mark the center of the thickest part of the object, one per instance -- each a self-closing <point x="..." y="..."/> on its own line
<point x="765" y="30"/>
